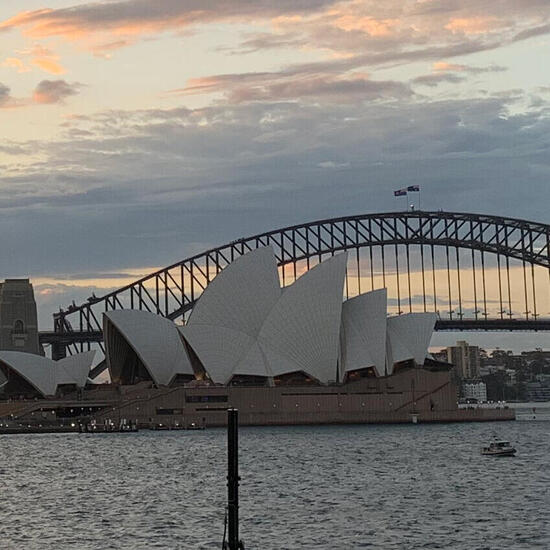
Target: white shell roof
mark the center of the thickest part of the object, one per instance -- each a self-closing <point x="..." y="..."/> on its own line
<point x="245" y="324"/>
<point x="364" y="332"/>
<point x="409" y="337"/>
<point x="302" y="331"/>
<point x="44" y="374"/>
<point x="254" y="362"/>
<point x="225" y="322"/>
<point x="221" y="351"/>
<point x="241" y="295"/>
<point x="35" y="369"/>
<point x="74" y="369"/>
<point x="155" y="340"/>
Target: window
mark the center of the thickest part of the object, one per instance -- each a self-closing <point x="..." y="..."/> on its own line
<point x="206" y="398"/>
<point x="169" y="411"/>
<point x="18" y="327"/>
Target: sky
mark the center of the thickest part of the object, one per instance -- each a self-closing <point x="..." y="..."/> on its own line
<point x="136" y="133"/>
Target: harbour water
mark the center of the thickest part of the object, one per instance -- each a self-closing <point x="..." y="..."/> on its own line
<point x="322" y="487"/>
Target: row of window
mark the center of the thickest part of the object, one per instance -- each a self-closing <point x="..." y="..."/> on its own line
<point x="206" y="398"/>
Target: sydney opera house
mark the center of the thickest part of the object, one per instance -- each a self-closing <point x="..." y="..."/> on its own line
<point x="293" y="355"/>
<point x="247" y="330"/>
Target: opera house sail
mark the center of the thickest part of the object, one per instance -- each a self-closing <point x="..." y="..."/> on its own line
<point x="409" y="337"/>
<point x="364" y="333"/>
<point x="29" y="375"/>
<point x="224" y="326"/>
<point x="301" y="333"/>
<point x="141" y="346"/>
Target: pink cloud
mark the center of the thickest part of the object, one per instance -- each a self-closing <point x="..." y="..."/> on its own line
<point x="37" y="56"/>
<point x="93" y="23"/>
<point x="48" y="65"/>
<point x="473" y="25"/>
<point x="15" y="63"/>
<point x="443" y="66"/>
<point x="366" y="24"/>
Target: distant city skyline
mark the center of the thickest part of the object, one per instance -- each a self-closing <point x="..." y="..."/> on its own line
<point x="137" y="133"/>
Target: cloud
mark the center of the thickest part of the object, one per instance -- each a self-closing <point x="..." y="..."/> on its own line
<point x="354" y="27"/>
<point x="104" y="50"/>
<point x="4" y="93"/>
<point x="453" y="73"/>
<point x="46" y="60"/>
<point x="345" y="72"/>
<point x="443" y="66"/>
<point x="92" y="22"/>
<point x="344" y="28"/>
<point x="14" y="148"/>
<point x="291" y="84"/>
<point x="6" y="99"/>
<point x="473" y="25"/>
<point x="435" y="79"/>
<point x="267" y="41"/>
<point x="46" y="92"/>
<point x="366" y="24"/>
<point x="49" y="65"/>
<point x="159" y="157"/>
<point x="322" y="87"/>
<point x="15" y="63"/>
<point x="54" y="91"/>
<point x="43" y="58"/>
<point x="532" y="32"/>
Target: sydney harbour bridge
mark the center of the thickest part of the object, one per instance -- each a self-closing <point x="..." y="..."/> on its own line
<point x="477" y="272"/>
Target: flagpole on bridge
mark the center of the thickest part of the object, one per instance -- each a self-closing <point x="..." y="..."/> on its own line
<point x="414" y="189"/>
<point x="402" y="193"/>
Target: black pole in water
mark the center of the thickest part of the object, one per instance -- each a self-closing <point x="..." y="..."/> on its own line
<point x="233" y="479"/>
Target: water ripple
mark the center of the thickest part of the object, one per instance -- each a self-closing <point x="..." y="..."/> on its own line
<point x="332" y="487"/>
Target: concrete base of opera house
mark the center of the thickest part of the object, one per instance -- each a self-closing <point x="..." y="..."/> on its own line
<point x="411" y="395"/>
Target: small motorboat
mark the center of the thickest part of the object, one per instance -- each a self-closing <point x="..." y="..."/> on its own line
<point x="498" y="448"/>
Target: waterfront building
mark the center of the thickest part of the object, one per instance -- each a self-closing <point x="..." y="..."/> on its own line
<point x="465" y="358"/>
<point x="537" y="391"/>
<point x="474" y="389"/>
<point x="18" y="318"/>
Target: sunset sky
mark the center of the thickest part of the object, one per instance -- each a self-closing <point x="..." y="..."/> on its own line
<point x="138" y="132"/>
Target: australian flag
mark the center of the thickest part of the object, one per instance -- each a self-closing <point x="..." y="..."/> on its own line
<point x="400" y="193"/>
<point x="414" y="188"/>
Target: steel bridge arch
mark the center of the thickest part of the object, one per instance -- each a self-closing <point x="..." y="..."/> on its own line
<point x="173" y="290"/>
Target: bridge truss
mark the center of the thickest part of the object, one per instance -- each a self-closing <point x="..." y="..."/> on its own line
<point x="475" y="271"/>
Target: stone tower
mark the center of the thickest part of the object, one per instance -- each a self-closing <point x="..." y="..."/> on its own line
<point x="18" y="319"/>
